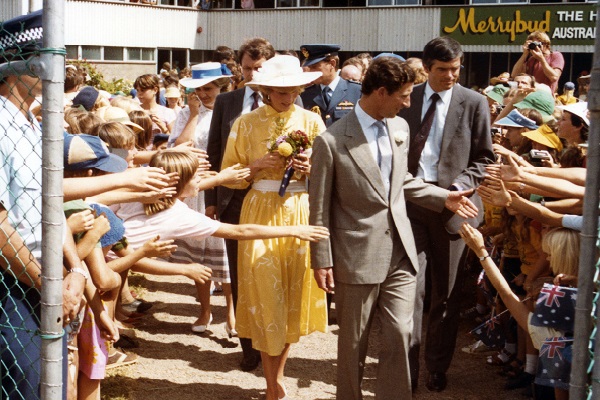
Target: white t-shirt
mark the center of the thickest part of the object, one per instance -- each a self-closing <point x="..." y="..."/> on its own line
<point x="179" y="221"/>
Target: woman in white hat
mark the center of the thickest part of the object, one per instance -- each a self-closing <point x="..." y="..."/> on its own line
<point x="192" y="124"/>
<point x="173" y="96"/>
<point x="279" y="300"/>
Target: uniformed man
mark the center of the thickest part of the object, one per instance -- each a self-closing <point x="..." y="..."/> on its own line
<point x="330" y="96"/>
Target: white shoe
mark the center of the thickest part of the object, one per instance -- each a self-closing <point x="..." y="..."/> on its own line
<point x="202" y="328"/>
<point x="231" y="332"/>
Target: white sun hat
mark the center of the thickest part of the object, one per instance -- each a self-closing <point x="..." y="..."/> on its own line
<point x="282" y="71"/>
<point x="580" y="109"/>
<point x="205" y="73"/>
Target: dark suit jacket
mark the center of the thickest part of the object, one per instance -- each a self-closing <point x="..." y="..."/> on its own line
<point x="344" y="98"/>
<point x="347" y="195"/>
<point x="466" y="143"/>
<point x="228" y="107"/>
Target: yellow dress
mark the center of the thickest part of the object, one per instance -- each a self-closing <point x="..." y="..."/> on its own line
<point x="278" y="297"/>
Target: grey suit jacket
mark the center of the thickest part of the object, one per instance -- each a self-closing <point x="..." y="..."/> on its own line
<point x="466" y="144"/>
<point x="228" y="107"/>
<point x="347" y="195"/>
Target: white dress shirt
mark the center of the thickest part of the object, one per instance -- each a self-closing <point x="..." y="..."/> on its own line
<point x="249" y="100"/>
<point x="430" y="157"/>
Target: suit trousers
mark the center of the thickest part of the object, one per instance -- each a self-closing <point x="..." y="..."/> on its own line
<point x="356" y="304"/>
<point x="231" y="215"/>
<point x="442" y="253"/>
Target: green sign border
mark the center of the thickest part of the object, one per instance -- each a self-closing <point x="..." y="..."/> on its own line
<point x="568" y="24"/>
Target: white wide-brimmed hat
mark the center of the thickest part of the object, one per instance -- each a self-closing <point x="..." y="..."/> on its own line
<point x="580" y="109"/>
<point x="282" y="71"/>
<point x="205" y="73"/>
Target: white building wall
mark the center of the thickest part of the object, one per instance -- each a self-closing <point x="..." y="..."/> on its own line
<point x="13" y="8"/>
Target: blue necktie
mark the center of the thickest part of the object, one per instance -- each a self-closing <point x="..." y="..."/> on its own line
<point x="326" y="95"/>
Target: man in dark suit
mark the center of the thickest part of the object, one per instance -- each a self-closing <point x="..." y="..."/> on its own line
<point x="449" y="149"/>
<point x="358" y="186"/>
<point x="330" y="96"/>
<point x="223" y="203"/>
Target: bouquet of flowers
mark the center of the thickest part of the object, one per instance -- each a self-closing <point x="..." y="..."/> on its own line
<point x="289" y="144"/>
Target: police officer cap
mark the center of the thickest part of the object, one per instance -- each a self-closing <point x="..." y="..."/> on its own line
<point x="313" y="53"/>
<point x="23" y="32"/>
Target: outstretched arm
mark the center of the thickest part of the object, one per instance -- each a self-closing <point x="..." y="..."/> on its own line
<point x="474" y="240"/>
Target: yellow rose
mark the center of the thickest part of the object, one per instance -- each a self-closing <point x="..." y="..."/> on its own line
<point x="285" y="149"/>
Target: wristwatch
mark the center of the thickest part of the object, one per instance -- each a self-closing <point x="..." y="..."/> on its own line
<point x="484" y="257"/>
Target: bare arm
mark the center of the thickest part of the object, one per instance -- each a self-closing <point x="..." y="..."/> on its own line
<point x="16" y="257"/>
<point x="474" y="240"/>
<point x="253" y="231"/>
<point x="143" y="178"/>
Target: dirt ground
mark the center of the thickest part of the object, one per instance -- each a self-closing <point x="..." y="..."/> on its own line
<point x="175" y="363"/>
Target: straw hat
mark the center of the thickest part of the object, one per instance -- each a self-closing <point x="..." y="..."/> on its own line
<point x="205" y="73"/>
<point x="172" y="93"/>
<point x="546" y="136"/>
<point x="580" y="109"/>
<point x="282" y="71"/>
<point x="116" y="114"/>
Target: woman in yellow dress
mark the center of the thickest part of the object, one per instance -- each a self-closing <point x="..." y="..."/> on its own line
<point x="279" y="300"/>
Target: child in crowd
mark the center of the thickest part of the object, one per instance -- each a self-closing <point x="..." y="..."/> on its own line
<point x="562" y="246"/>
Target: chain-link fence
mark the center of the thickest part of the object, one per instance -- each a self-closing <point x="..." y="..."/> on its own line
<point x="31" y="236"/>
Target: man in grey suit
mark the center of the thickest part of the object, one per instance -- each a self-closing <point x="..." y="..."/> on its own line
<point x="451" y="151"/>
<point x="358" y="187"/>
<point x="223" y="203"/>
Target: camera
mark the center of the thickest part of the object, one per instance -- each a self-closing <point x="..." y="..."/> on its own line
<point x="496" y="131"/>
<point x="534" y="45"/>
<point x="498" y="108"/>
<point x="539" y="155"/>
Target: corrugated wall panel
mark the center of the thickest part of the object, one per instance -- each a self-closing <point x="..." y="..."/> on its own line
<point x="133" y="25"/>
<point x="12" y="8"/>
<point x="356" y="29"/>
<point x="369" y="29"/>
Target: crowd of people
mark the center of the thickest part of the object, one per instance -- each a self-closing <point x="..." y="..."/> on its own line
<point x="293" y="185"/>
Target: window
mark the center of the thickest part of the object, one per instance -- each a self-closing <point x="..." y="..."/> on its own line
<point x="139" y="54"/>
<point x="72" y="52"/>
<point x="91" y="52"/>
<point x="113" y="53"/>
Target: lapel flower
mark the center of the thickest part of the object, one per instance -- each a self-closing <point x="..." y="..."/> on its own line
<point x="399" y="136"/>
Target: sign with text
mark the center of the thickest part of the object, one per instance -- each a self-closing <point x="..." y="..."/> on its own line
<point x="498" y="25"/>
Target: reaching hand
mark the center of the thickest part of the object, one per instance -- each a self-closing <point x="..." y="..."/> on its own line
<point x="458" y="203"/>
<point x="472" y="238"/>
<point x="311" y="233"/>
<point x="324" y="278"/>
<point x="233" y="175"/>
<point x="81" y="221"/>
<point x="147" y="178"/>
<point x="197" y="272"/>
<point x="156" y="248"/>
<point x="101" y="225"/>
<point x="494" y="192"/>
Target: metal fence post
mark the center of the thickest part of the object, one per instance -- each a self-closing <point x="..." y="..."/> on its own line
<point x="52" y="75"/>
<point x="587" y="259"/>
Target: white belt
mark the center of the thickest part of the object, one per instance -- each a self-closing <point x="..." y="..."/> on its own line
<point x="271" y="185"/>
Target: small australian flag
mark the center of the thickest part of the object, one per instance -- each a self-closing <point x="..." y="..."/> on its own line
<point x="555" y="308"/>
<point x="554" y="366"/>
<point x="491" y="332"/>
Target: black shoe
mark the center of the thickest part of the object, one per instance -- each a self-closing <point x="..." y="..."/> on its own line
<point x="250" y="363"/>
<point x="138" y="306"/>
<point x="436" y="382"/>
<point x="414" y="384"/>
<point x="523" y="380"/>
